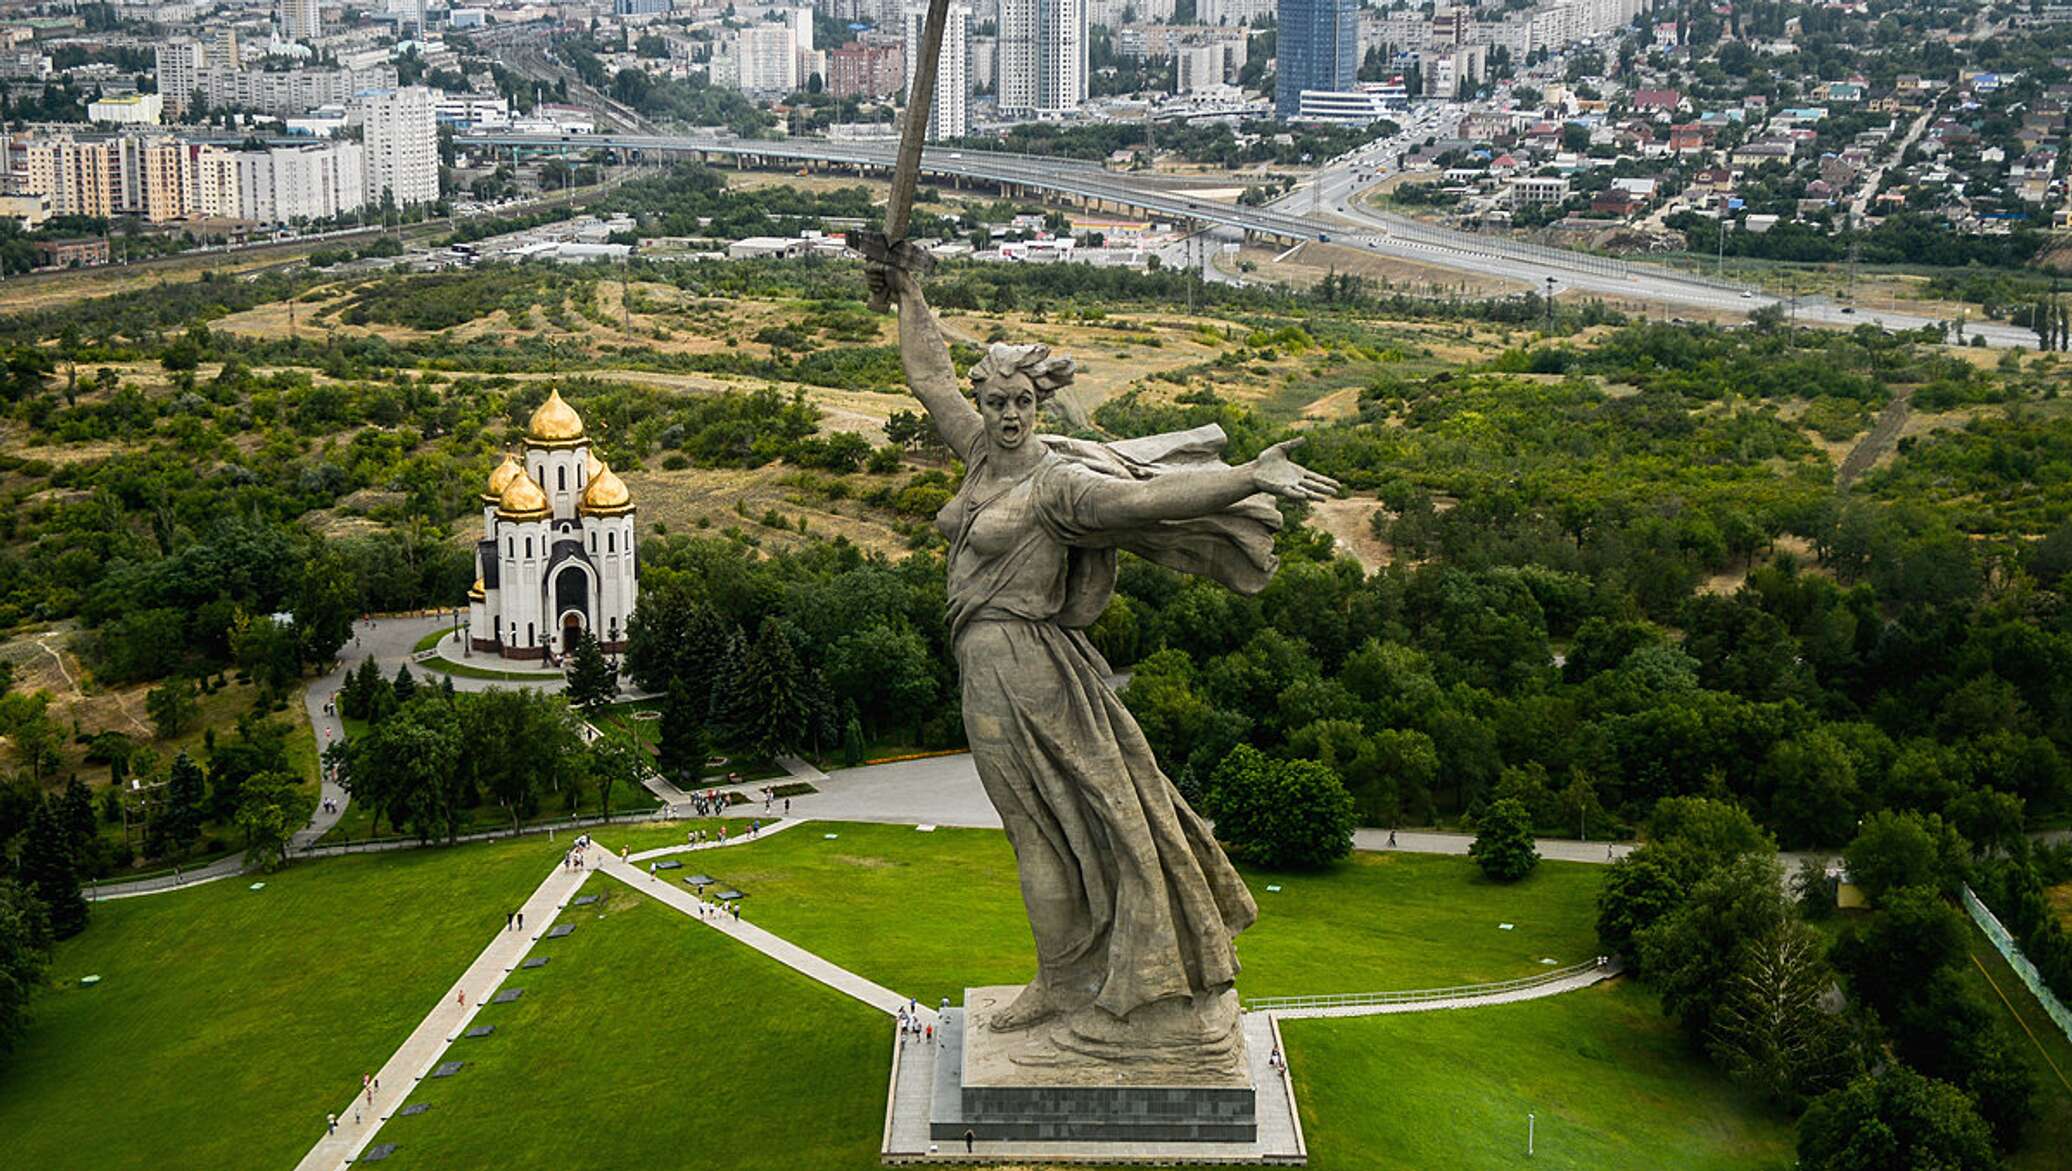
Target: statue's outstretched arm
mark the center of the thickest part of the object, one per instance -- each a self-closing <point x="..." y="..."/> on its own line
<point x="926" y="358"/>
<point x="1179" y="495"/>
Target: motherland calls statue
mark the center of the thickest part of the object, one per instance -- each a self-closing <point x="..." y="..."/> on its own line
<point x="1134" y="906"/>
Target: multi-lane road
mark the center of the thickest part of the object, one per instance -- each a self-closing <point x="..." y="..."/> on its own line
<point x="1348" y="224"/>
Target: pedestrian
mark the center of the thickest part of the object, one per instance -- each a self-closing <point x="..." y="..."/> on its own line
<point x="1392" y="839"/>
<point x="651" y="871"/>
<point x="931" y="1034"/>
<point x="970" y="1140"/>
<point x="1607" y="853"/>
<point x="461" y="998"/>
<point x="521" y="920"/>
<point x="787" y="807"/>
<point x="737" y="912"/>
<point x="331" y="1123"/>
<point x="510" y="920"/>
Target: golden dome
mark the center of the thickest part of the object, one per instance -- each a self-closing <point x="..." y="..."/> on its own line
<point x="476" y="592"/>
<point x="606" y="494"/>
<point x="522" y="500"/>
<point x="555" y="424"/>
<point x="591" y="465"/>
<point x="501" y="478"/>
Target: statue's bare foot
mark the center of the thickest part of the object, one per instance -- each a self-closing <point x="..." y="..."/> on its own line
<point x="1036" y="1003"/>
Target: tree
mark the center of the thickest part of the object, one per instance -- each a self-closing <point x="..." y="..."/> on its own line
<point x="51" y="868"/>
<point x="172" y="707"/>
<point x="592" y="682"/>
<point x="1895" y="850"/>
<point x="407" y="768"/>
<point x="186" y="801"/>
<point x="1772" y="1031"/>
<point x="1894" y="1118"/>
<point x="1692" y="954"/>
<point x="1503" y="844"/>
<point x="852" y="742"/>
<point x="405" y="686"/>
<point x="766" y="702"/>
<point x="268" y="651"/>
<point x="271" y="807"/>
<point x="683" y="745"/>
<point x="1640" y="890"/>
<point x="24" y="950"/>
<point x="326" y="604"/>
<point x="616" y="760"/>
<point x="1279" y="813"/>
<point x="76" y="807"/>
<point x="887" y="672"/>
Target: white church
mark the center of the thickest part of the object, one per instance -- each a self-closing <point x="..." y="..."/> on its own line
<point x="556" y="555"/>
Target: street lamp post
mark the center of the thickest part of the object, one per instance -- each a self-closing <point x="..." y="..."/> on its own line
<point x="1529" y="1124"/>
<point x="1550" y="304"/>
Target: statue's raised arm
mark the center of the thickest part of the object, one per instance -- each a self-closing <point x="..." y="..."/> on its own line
<point x="926" y="358"/>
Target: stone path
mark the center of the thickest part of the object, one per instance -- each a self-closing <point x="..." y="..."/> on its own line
<point x="357" y="1119"/>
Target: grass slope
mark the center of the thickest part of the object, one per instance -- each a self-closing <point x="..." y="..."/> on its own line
<point x="2043" y="1048"/>
<point x="649" y="1041"/>
<point x="1612" y="1083"/>
<point x="228" y="1021"/>
<point x="929" y="914"/>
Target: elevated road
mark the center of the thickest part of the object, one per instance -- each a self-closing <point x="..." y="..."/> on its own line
<point x="1383" y="235"/>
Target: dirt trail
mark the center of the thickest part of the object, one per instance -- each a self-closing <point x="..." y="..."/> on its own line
<point x="1876" y="442"/>
<point x="1348" y="522"/>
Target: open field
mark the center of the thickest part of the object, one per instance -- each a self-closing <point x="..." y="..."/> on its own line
<point x="649" y="1041"/>
<point x="1611" y="1081"/>
<point x="228" y="1021"/>
<point x="1378" y="922"/>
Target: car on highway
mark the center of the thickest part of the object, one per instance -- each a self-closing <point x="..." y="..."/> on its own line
<point x="1746" y="294"/>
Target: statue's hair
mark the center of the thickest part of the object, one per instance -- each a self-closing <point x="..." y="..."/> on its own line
<point x="1049" y="374"/>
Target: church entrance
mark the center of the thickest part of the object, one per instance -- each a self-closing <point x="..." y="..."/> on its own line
<point x="571" y="632"/>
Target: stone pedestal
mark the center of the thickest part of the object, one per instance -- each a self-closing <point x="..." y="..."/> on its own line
<point x="1015" y="1087"/>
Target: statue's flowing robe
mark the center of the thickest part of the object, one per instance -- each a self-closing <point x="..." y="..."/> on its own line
<point x="1125" y="884"/>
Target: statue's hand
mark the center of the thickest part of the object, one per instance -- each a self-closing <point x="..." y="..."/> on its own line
<point x="888" y="283"/>
<point x="1274" y="472"/>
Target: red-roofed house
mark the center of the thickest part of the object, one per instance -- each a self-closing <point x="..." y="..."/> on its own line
<point x="1658" y="101"/>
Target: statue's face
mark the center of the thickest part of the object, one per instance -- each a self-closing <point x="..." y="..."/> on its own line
<point x="1007" y="403"/>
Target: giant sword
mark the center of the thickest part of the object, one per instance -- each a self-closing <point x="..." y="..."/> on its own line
<point x="890" y="246"/>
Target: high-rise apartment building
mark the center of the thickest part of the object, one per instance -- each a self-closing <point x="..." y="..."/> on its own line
<point x="211" y="174"/>
<point x="81" y="178"/>
<point x="179" y="74"/>
<point x="768" y="58"/>
<point x="1042" y="57"/>
<point x="950" y="114"/>
<point x="401" y="133"/>
<point x="289" y="183"/>
<point x="1318" y="48"/>
<point x="298" y="20"/>
<point x="857" y="70"/>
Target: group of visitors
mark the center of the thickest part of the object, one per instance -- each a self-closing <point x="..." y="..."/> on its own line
<point x="578" y="852"/>
<point x="720" y="910"/>
<point x="911" y="1026"/>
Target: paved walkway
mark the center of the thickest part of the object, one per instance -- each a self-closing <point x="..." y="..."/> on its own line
<point x="362" y="1116"/>
<point x="1466" y="1000"/>
<point x="665" y="888"/>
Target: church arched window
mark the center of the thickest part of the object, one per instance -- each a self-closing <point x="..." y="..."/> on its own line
<point x="561" y="478"/>
<point x="510" y="546"/>
<point x="611" y="542"/>
<point x="528" y="546"/>
<point x="528" y="634"/>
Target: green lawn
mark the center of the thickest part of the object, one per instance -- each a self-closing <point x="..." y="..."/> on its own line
<point x="229" y="1021"/>
<point x="649" y="1041"/>
<point x="928" y="914"/>
<point x="1611" y="1080"/>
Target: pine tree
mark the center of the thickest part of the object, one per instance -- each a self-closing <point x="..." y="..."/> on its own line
<point x="77" y="805"/>
<point x="186" y="793"/>
<point x="405" y="685"/>
<point x="770" y="701"/>
<point x="683" y="744"/>
<point x="852" y="742"/>
<point x="592" y="682"/>
<point x="51" y="868"/>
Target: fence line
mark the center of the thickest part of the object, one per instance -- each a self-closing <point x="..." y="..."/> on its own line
<point x="1420" y="995"/>
<point x="2011" y="951"/>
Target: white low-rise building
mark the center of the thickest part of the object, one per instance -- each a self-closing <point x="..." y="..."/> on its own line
<point x="128" y="110"/>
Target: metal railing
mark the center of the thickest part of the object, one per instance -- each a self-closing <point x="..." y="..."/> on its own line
<point x="1425" y="995"/>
